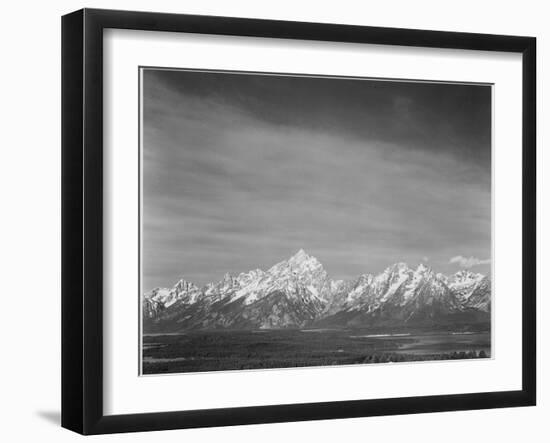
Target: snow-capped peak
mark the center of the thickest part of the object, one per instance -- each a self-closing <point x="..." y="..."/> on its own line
<point x="158" y="294"/>
<point x="182" y="291"/>
<point x="299" y="264"/>
<point x="227" y="278"/>
<point x="399" y="268"/>
<point x="300" y="255"/>
<point x="298" y="291"/>
<point x="184" y="285"/>
<point x="301" y="258"/>
<point x="464" y="283"/>
<point x="464" y="275"/>
<point x="423" y="269"/>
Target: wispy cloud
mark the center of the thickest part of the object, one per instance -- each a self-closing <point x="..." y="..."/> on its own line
<point x="468" y="262"/>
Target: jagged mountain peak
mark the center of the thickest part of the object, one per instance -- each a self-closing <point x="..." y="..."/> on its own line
<point x="397" y="267"/>
<point x="297" y="292"/>
<point x="301" y="254"/>
<point x="227" y="277"/>
<point x="365" y="279"/>
<point x="183" y="284"/>
<point x="227" y="283"/>
<point x="158" y="294"/>
<point x="300" y="263"/>
<point x="398" y="272"/>
<point x="423" y="269"/>
<point x="465" y="274"/>
<point x="182" y="291"/>
<point x="254" y="274"/>
<point x="301" y="258"/>
<point x="403" y="268"/>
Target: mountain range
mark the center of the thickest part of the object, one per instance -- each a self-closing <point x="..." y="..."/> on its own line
<point x="298" y="293"/>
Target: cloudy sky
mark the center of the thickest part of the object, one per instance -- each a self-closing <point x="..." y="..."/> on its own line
<point x="240" y="171"/>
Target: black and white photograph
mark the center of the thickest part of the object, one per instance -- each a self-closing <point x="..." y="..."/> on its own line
<point x="290" y="221"/>
<point x="293" y="220"/>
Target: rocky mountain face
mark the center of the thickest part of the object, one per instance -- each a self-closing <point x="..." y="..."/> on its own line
<point x="298" y="292"/>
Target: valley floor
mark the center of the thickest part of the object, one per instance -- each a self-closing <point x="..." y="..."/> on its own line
<point x="223" y="350"/>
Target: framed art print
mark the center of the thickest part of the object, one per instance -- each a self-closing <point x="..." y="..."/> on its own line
<point x="255" y="209"/>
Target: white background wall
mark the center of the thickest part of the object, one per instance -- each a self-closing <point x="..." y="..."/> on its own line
<point x="30" y="218"/>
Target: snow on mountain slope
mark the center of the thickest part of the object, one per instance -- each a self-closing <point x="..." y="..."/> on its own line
<point x="480" y="297"/>
<point x="463" y="283"/>
<point x="298" y="292"/>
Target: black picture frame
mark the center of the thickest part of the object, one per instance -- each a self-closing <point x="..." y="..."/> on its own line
<point x="82" y="220"/>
